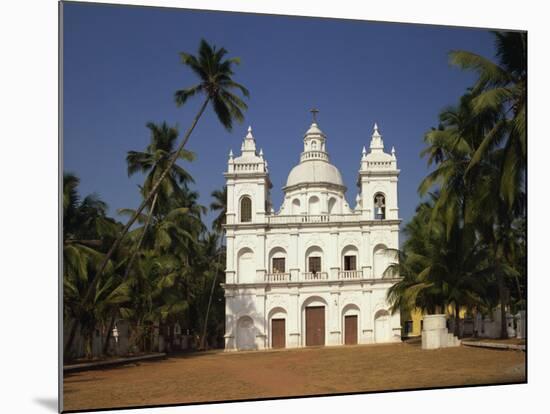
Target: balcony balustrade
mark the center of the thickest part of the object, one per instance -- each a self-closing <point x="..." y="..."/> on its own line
<point x="313" y="218"/>
<point x="315" y="276"/>
<point x="277" y="277"/>
<point x="350" y="274"/>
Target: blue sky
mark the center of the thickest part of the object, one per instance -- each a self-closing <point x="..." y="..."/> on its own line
<point x="121" y="69"/>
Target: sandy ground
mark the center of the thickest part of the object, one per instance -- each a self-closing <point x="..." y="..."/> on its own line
<point x="216" y="376"/>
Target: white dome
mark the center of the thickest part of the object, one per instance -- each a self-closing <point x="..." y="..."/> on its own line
<point x="314" y="171"/>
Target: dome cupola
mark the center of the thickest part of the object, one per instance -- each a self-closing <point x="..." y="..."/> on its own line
<point x="315" y="167"/>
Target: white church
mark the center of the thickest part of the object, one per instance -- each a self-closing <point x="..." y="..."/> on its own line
<point x="314" y="273"/>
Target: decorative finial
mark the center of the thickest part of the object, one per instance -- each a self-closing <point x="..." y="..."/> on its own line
<point x="249" y="134"/>
<point x="314" y="112"/>
<point x="375" y="128"/>
<point x="392" y="150"/>
<point x="364" y="152"/>
<point x="231" y="154"/>
<point x="261" y="152"/>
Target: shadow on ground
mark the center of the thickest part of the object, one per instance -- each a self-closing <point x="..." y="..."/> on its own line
<point x="49" y="403"/>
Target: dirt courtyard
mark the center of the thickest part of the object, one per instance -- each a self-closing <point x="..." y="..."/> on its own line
<point x="215" y="376"/>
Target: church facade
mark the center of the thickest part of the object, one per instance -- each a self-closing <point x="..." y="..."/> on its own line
<point x="317" y="271"/>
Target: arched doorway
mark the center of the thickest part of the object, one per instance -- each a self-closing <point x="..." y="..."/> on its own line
<point x="314" y="317"/>
<point x="382" y="331"/>
<point x="245" y="266"/>
<point x="350" y="324"/>
<point x="277" y="321"/>
<point x="245" y="333"/>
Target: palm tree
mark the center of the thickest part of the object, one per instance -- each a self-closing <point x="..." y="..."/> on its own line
<point x="217" y="86"/>
<point x="502" y="87"/>
<point x="155" y="160"/>
<point x="85" y="228"/>
<point x="501" y="93"/>
<point x="219" y="204"/>
<point x="439" y="267"/>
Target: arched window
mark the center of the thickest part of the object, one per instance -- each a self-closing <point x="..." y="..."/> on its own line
<point x="314" y="205"/>
<point x="296" y="206"/>
<point x="350" y="258"/>
<point x="313" y="145"/>
<point x="379" y="206"/>
<point x="314" y="257"/>
<point x="332" y="205"/>
<point x="246" y="209"/>
<point x="277" y="259"/>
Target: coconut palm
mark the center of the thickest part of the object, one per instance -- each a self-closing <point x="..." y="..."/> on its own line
<point x="438" y="267"/>
<point x="219" y="204"/>
<point x="85" y="228"/>
<point x="502" y="87"/>
<point x="217" y="86"/>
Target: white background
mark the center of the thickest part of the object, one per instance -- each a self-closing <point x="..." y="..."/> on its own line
<point x="29" y="194"/>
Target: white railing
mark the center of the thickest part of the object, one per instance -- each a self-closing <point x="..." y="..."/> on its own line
<point x="317" y="155"/>
<point x="313" y="218"/>
<point x="277" y="277"/>
<point x="350" y="274"/>
<point x="248" y="167"/>
<point x="380" y="164"/>
<point x="315" y="276"/>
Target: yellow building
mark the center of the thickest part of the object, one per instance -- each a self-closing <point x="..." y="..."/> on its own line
<point x="412" y="323"/>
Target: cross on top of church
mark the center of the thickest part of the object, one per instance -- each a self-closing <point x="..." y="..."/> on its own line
<point x="314" y="112"/>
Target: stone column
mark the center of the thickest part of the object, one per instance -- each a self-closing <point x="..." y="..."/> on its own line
<point x="365" y="256"/>
<point x="261" y="334"/>
<point x="293" y="319"/>
<point x="260" y="203"/>
<point x="367" y="317"/>
<point x="230" y="270"/>
<point x="333" y="256"/>
<point x="293" y="264"/>
<point x="230" y="322"/>
<point x="230" y="201"/>
<point x="324" y="203"/>
<point x="260" y="256"/>
<point x="334" y="319"/>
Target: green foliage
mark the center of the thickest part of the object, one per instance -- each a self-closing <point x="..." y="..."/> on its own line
<point x="466" y="244"/>
<point x="216" y="82"/>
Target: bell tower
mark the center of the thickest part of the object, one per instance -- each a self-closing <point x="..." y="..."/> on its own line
<point x="248" y="184"/>
<point x="377" y="181"/>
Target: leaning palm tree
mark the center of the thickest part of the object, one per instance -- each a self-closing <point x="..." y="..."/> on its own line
<point x="502" y="87"/>
<point x="154" y="161"/>
<point x="216" y="84"/>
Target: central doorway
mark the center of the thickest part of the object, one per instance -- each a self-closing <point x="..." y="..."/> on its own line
<point x="350" y="330"/>
<point x="278" y="333"/>
<point x="315" y="325"/>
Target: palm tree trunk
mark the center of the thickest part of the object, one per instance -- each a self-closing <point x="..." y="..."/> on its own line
<point x="210" y="298"/>
<point x="70" y="340"/>
<point x="128" y="268"/>
<point x="143" y="204"/>
<point x="141" y="238"/>
<point x="457" y="321"/>
<point x="501" y="293"/>
<point x="109" y="331"/>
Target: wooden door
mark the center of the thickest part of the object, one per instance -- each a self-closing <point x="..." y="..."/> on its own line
<point x="315" y="325"/>
<point x="350" y="329"/>
<point x="278" y="333"/>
